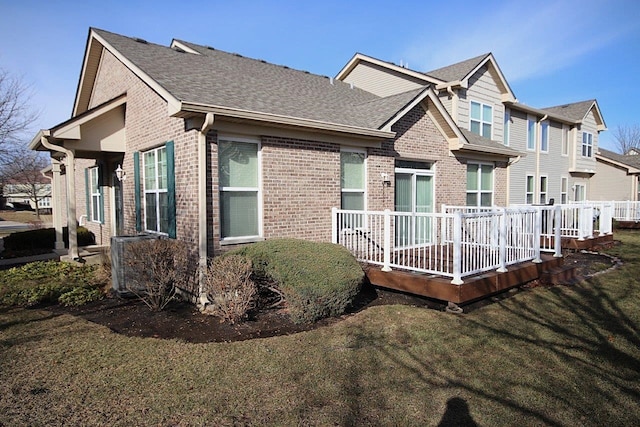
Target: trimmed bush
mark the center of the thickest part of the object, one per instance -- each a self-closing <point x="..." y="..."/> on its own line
<point x="157" y="268"/>
<point x="229" y="287"/>
<point x="41" y="240"/>
<point x="317" y="279"/>
<point x="47" y="282"/>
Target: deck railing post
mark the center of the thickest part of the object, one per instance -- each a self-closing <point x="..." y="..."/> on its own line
<point x="557" y="236"/>
<point x="386" y="229"/>
<point x="589" y="220"/>
<point x="502" y="240"/>
<point x="627" y="213"/>
<point x="537" y="231"/>
<point x="457" y="248"/>
<point x="334" y="225"/>
<point x="581" y="223"/>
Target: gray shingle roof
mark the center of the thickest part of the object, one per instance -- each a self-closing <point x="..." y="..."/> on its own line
<point x="574" y="111"/>
<point x="488" y="145"/>
<point x="632" y="160"/>
<point x="218" y="78"/>
<point x="457" y="71"/>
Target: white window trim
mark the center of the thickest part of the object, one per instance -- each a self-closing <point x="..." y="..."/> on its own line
<point x="546" y="189"/>
<point x="249" y="238"/>
<point x="94" y="216"/>
<point x="575" y="191"/>
<point x="156" y="191"/>
<point x="479" y="191"/>
<point x="535" y="122"/>
<point x="366" y="176"/>
<point x="589" y="146"/>
<point x="548" y="126"/>
<point x="526" y="190"/>
<point x="481" y="121"/>
<point x="565" y="193"/>
<point x="565" y="141"/>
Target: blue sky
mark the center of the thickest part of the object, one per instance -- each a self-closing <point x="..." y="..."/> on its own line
<point x="551" y="52"/>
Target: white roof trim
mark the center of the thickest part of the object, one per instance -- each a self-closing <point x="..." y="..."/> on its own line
<point x="358" y="57"/>
<point x="178" y="44"/>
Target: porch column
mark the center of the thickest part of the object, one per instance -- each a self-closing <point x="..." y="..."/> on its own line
<point x="71" y="204"/>
<point x="56" y="195"/>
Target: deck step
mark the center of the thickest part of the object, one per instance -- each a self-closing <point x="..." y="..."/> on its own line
<point x="562" y="275"/>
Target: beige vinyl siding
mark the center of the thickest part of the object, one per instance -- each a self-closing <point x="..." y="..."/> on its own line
<point x="381" y="81"/>
<point x="482" y="88"/>
<point x="526" y="165"/>
<point x="588" y="125"/>
<point x="553" y="164"/>
<point x="447" y="102"/>
<point x="611" y="183"/>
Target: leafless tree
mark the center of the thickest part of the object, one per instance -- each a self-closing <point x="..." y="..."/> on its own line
<point x="627" y="137"/>
<point x="21" y="173"/>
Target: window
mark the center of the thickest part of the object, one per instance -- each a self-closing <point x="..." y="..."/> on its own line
<point x="507" y="127"/>
<point x="544" y="137"/>
<point x="579" y="192"/>
<point x="529" y="191"/>
<point x="352" y="179"/>
<point x="565" y="140"/>
<point x="543" y="190"/>
<point x="156" y="203"/>
<point x="479" y="184"/>
<point x="587" y="144"/>
<point x="95" y="204"/>
<point x="238" y="170"/>
<point x="481" y="118"/>
<point x="531" y="134"/>
<point x="564" y="185"/>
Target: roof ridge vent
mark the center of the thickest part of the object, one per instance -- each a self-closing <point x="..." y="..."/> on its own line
<point x="238" y="55"/>
<point x="210" y="48"/>
<point x="139" y="40"/>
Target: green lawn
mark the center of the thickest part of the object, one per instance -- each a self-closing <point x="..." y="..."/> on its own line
<point x="565" y="356"/>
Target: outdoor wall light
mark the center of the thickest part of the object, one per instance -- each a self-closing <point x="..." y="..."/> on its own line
<point x="120" y="174"/>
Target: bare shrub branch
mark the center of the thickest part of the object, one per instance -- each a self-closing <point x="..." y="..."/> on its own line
<point x="229" y="286"/>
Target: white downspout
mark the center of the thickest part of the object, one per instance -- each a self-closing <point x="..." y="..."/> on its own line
<point x="71" y="193"/>
<point x="202" y="203"/>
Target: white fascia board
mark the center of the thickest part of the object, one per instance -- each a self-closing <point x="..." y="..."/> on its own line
<point x="358" y="57"/>
<point x="137" y="71"/>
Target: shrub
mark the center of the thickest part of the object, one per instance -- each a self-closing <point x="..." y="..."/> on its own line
<point x="229" y="287"/>
<point x="317" y="279"/>
<point x="45" y="282"/>
<point x="156" y="268"/>
<point x="41" y="240"/>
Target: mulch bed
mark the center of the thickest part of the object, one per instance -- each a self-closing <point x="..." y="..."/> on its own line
<point x="182" y="320"/>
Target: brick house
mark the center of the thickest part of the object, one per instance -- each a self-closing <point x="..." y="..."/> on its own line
<point x="218" y="150"/>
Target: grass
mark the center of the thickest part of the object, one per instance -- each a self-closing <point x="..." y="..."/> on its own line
<point x="560" y="356"/>
<point x="23" y="216"/>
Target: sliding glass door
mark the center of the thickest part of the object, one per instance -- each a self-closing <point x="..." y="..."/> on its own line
<point x="413" y="195"/>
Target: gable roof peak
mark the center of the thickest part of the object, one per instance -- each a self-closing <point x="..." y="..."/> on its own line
<point x="459" y="70"/>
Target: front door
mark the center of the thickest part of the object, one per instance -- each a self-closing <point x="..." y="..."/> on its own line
<point x="413" y="195"/>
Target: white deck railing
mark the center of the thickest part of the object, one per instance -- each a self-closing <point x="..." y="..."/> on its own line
<point x="621" y="210"/>
<point x="462" y="241"/>
<point x="452" y="245"/>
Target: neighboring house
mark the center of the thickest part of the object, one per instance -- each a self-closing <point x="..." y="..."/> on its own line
<point x="558" y="144"/>
<point x="617" y="176"/>
<point x="220" y="150"/>
<point x="20" y="195"/>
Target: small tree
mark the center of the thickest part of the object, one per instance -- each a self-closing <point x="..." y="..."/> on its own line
<point x="16" y="115"/>
<point x="21" y="173"/>
<point x="627" y="137"/>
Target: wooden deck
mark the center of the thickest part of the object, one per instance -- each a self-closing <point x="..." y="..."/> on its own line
<point x="482" y="285"/>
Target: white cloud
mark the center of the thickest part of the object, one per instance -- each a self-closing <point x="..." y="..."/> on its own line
<point x="528" y="39"/>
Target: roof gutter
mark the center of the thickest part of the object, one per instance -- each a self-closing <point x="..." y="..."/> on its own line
<point x="184" y="107"/>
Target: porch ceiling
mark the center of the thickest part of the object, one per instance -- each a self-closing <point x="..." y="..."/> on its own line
<point x="92" y="134"/>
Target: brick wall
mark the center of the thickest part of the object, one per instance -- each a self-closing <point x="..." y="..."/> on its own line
<point x="147" y="126"/>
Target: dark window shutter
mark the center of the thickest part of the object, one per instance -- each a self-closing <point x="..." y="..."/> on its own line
<point x="136" y="189"/>
<point x="101" y="171"/>
<point x="171" y="189"/>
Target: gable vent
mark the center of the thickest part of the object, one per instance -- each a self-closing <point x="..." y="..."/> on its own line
<point x="139" y="40"/>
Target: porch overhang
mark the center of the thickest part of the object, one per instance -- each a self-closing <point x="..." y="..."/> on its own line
<point x="92" y="133"/>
